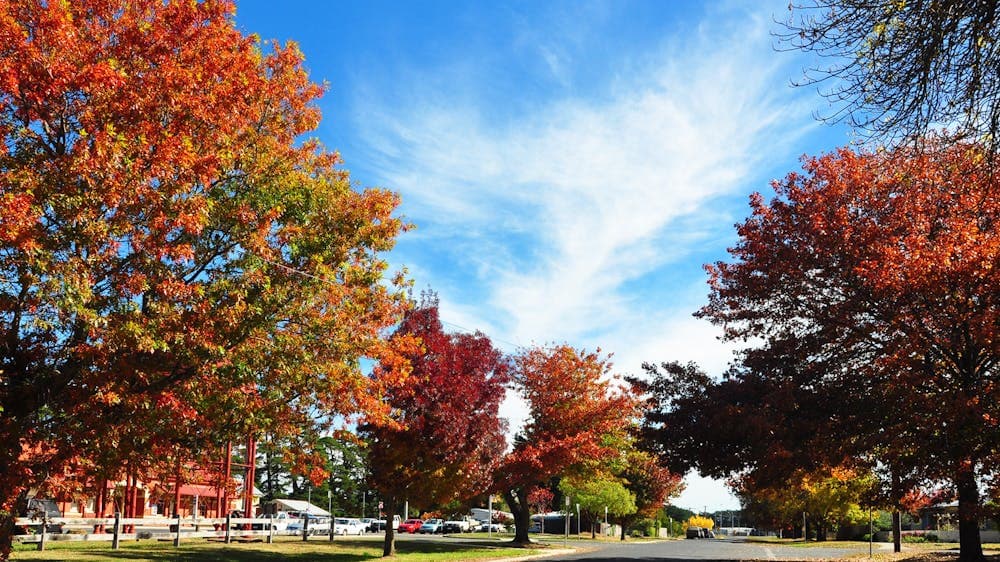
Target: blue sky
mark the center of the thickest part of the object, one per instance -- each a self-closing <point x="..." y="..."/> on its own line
<point x="569" y="166"/>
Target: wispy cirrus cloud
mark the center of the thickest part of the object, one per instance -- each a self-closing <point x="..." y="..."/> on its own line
<point x="556" y="214"/>
<point x="584" y="215"/>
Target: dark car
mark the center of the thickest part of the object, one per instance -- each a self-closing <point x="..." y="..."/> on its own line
<point x="42" y="510"/>
<point x="700" y="533"/>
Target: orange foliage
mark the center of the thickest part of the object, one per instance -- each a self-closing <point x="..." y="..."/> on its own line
<point x="177" y="264"/>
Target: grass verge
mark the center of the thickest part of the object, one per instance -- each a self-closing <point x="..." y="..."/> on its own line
<point x="293" y="550"/>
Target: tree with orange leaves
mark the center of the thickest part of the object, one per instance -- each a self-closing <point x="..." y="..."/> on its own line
<point x="177" y="263"/>
<point x="576" y="415"/>
<point x="869" y="289"/>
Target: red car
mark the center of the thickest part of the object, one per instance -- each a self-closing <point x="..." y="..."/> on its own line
<point x="410" y="526"/>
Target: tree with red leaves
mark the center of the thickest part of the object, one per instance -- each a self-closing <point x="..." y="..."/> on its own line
<point x="576" y="414"/>
<point x="178" y="265"/>
<point x="445" y="436"/>
<point x="869" y="289"/>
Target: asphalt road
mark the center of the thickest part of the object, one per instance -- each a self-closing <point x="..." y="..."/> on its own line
<point x="716" y="550"/>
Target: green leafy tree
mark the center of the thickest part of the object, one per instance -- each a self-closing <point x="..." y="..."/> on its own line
<point x="596" y="493"/>
<point x="348" y="471"/>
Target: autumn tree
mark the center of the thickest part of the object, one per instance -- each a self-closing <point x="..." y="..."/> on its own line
<point x="576" y="414"/>
<point x="867" y="287"/>
<point x="540" y="501"/>
<point x="651" y="483"/>
<point x="899" y="70"/>
<point x="826" y="497"/>
<point x="178" y="264"/>
<point x="444" y="437"/>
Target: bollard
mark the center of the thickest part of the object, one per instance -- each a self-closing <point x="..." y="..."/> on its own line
<point x="117" y="530"/>
<point x="177" y="531"/>
<point x="229" y="517"/>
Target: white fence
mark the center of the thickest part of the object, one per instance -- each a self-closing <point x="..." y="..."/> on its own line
<point x="177" y="529"/>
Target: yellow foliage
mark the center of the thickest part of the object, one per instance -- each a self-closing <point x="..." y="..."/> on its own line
<point x="699" y="521"/>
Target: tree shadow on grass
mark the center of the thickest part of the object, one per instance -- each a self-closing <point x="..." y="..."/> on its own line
<point x="357" y="551"/>
<point x="230" y="555"/>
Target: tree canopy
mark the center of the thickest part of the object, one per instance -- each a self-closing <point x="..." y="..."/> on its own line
<point x="900" y="70"/>
<point x="868" y="280"/>
<point x="446" y="436"/>
<point x="178" y="264"/>
<point x="575" y="416"/>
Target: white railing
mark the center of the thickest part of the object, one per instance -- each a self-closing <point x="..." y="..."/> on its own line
<point x="228" y="529"/>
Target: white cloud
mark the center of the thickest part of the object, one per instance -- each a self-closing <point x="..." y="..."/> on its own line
<point x="555" y="213"/>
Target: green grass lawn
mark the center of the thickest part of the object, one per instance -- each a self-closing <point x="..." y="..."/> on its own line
<point x="292" y="549"/>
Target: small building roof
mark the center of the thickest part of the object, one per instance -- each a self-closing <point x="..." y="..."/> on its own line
<point x="300" y="506"/>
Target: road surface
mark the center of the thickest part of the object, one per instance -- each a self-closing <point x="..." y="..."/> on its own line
<point x="717" y="550"/>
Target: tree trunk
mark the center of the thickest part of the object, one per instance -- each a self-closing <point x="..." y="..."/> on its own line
<point x="6" y="533"/>
<point x="389" y="545"/>
<point x="970" y="547"/>
<point x="624" y="526"/>
<point x="18" y="504"/>
<point x="897" y="531"/>
<point x="517" y="500"/>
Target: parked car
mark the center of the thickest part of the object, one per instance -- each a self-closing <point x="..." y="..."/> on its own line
<point x="348" y="526"/>
<point x="699" y="533"/>
<point x="432" y="527"/>
<point x="317" y="525"/>
<point x="463" y="524"/>
<point x="410" y="526"/>
<point x="280" y="521"/>
<point x="378" y="525"/>
<point x="492" y="527"/>
<point x="41" y="510"/>
<point x="368" y="522"/>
